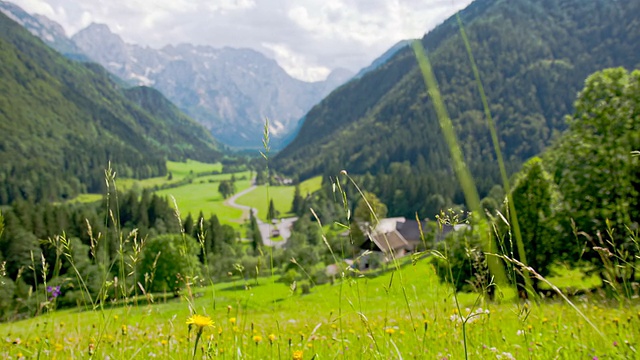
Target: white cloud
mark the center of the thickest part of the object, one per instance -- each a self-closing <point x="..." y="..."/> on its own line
<point x="296" y="65"/>
<point x="307" y="37"/>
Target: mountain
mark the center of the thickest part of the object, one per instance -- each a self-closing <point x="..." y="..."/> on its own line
<point x="62" y="122"/>
<point x="380" y="60"/>
<point x="229" y="91"/>
<point x="533" y="57"/>
<point x="47" y="30"/>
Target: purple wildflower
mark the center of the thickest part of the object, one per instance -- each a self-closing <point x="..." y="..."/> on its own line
<point x="54" y="291"/>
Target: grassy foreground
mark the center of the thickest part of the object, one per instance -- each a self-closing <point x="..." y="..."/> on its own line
<point x="401" y="314"/>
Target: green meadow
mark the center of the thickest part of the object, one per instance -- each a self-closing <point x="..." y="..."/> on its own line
<point x="178" y="171"/>
<point x="403" y="313"/>
<point x="202" y="195"/>
<point x="282" y="197"/>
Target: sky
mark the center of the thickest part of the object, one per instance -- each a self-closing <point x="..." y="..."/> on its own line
<point x="308" y="38"/>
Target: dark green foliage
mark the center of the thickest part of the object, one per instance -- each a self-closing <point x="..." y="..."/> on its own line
<point x="533" y="56"/>
<point x="226" y="188"/>
<point x="594" y="167"/>
<point x="254" y="232"/>
<point x="272" y="213"/>
<point x="61" y="122"/>
<point x="538" y="208"/>
<point x="297" y="205"/>
<point x="370" y="209"/>
<point x="171" y="260"/>
<point x="460" y="259"/>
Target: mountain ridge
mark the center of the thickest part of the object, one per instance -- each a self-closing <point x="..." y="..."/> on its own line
<point x="533" y="56"/>
<point x="230" y="91"/>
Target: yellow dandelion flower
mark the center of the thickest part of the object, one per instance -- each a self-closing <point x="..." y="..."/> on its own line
<point x="232" y="320"/>
<point x="200" y="321"/>
<point x="257" y="339"/>
<point x="389" y="331"/>
<point x="529" y="327"/>
<point x="309" y="345"/>
<point x="298" y="355"/>
<point x="59" y="347"/>
<point x="544" y="320"/>
<point x="164" y="342"/>
<point x="272" y="337"/>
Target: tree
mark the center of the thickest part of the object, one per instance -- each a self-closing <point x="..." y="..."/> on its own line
<point x="254" y="232"/>
<point x="537" y="203"/>
<point x="594" y="167"/>
<point x="170" y="260"/>
<point x="272" y="213"/>
<point x="297" y="205"/>
<point x="226" y="188"/>
<point x="363" y="211"/>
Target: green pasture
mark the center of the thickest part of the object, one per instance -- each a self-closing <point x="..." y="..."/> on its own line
<point x="178" y="170"/>
<point x="204" y="196"/>
<point x="400" y="314"/>
<point x="282" y="197"/>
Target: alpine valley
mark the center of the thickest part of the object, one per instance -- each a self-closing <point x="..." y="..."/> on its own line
<point x="229" y="91"/>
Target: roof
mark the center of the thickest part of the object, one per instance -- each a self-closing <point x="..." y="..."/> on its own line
<point x="385" y="242"/>
<point x="410" y="230"/>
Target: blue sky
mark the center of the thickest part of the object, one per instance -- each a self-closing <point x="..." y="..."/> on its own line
<point x="308" y="38"/>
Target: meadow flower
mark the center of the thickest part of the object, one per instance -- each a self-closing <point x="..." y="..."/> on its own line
<point x="272" y="338"/>
<point x="232" y="320"/>
<point x="298" y="355"/>
<point x="389" y="331"/>
<point x="199" y="321"/>
<point x="257" y="339"/>
<point x="54" y="292"/>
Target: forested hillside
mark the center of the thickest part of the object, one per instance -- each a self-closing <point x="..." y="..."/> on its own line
<point x="533" y="57"/>
<point x="61" y="122"/>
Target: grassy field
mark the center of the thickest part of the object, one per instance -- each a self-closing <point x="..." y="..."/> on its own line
<point x="404" y="314"/>
<point x="178" y="170"/>
<point x="203" y="195"/>
<point x="282" y="197"/>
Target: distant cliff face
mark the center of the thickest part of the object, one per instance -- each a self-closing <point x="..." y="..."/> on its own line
<point x="47" y="30"/>
<point x="230" y="91"/>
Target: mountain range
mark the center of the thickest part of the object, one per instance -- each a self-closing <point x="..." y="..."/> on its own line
<point x="229" y="91"/>
<point x="63" y="121"/>
<point x="533" y="57"/>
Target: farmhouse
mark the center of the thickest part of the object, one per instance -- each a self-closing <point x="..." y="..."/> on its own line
<point x="398" y="237"/>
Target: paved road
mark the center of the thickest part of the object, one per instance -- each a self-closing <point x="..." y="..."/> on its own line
<point x="266" y="229"/>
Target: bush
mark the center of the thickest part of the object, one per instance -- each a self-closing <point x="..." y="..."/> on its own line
<point x="169" y="260"/>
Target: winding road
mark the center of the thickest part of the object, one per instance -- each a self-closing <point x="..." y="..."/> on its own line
<point x="283" y="225"/>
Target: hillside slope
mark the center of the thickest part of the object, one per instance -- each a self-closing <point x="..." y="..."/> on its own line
<point x="533" y="56"/>
<point x="61" y="122"/>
